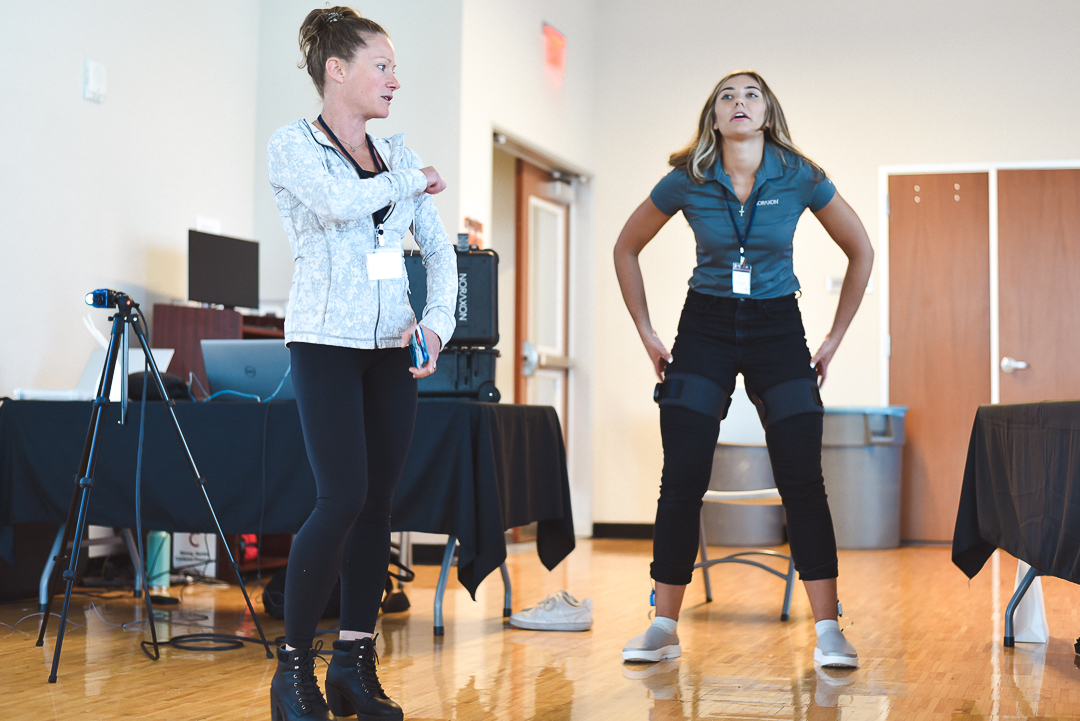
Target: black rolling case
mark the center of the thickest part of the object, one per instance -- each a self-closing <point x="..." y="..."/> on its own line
<point x="466" y="367"/>
<point x="477" y="307"/>
<point x="463" y="373"/>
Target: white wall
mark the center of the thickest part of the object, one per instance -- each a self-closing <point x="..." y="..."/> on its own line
<point x="426" y="35"/>
<point x="505" y="86"/>
<point x="102" y="195"/>
<point x="500" y="237"/>
<point x="862" y="85"/>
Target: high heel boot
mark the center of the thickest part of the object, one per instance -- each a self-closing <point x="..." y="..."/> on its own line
<point x="294" y="690"/>
<point x="352" y="685"/>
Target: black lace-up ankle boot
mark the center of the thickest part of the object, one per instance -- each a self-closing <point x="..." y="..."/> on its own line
<point x="352" y="685"/>
<point x="294" y="691"/>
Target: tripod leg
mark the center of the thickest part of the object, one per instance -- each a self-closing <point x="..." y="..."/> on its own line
<point x="171" y="405"/>
<point x="234" y="564"/>
<point x="85" y="484"/>
<point x="59" y="561"/>
<point x="76" y="522"/>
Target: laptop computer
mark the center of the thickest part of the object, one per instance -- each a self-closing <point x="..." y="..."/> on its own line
<point x="252" y="367"/>
<point x="86" y="389"/>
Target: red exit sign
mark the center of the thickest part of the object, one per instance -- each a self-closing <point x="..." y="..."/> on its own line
<point x="555" y="51"/>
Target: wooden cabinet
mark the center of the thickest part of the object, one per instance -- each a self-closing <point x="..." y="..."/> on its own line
<point x="181" y="327"/>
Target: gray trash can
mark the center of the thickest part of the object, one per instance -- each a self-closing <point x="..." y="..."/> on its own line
<point x="742" y="468"/>
<point x="860" y="458"/>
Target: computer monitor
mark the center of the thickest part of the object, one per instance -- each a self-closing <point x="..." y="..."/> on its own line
<point x="223" y="270"/>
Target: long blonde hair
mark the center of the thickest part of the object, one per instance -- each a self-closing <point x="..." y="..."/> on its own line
<point x="703" y="152"/>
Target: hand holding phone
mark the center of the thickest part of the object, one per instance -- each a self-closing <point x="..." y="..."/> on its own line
<point x="418" y="347"/>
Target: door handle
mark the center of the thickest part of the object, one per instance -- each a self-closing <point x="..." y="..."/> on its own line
<point x="1008" y="365"/>
<point x="555" y="361"/>
<point x="531" y="356"/>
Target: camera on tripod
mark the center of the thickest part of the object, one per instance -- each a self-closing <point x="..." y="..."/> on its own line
<point x="105" y="298"/>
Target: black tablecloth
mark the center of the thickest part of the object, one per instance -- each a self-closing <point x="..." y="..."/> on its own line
<point x="474" y="470"/>
<point x="1021" y="490"/>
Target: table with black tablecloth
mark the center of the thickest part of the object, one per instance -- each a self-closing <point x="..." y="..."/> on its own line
<point x="1021" y="490"/>
<point x="474" y="470"/>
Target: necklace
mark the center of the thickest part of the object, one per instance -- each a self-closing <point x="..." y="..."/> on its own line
<point x="354" y="148"/>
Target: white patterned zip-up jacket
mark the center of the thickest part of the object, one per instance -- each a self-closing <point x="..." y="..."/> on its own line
<point x="326" y="210"/>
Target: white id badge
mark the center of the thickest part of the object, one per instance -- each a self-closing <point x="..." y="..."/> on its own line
<point x="740" y="279"/>
<point x="384" y="264"/>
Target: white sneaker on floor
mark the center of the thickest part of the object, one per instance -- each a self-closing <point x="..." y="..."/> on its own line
<point x="835" y="651"/>
<point x="558" y="612"/>
<point x="653" y="645"/>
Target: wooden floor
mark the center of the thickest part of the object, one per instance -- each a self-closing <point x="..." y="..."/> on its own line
<point x="929" y="643"/>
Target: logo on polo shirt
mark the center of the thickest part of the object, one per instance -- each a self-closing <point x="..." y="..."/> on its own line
<point x="774" y="201"/>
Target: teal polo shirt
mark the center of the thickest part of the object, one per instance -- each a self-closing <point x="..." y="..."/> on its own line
<point x="785" y="186"/>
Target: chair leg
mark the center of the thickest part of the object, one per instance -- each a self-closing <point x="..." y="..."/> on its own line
<point x="133" y="551"/>
<point x="704" y="557"/>
<point x="785" y="614"/>
<point x="440" y="587"/>
<point x="44" y="592"/>
<point x="1018" y="596"/>
<point x="506" y="589"/>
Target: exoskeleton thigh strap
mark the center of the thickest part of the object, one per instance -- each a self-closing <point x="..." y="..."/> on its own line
<point x="787" y="399"/>
<point x="695" y="392"/>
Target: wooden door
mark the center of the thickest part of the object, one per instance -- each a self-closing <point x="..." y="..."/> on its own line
<point x="1039" y="281"/>
<point x="939" y="325"/>
<point x="541" y="304"/>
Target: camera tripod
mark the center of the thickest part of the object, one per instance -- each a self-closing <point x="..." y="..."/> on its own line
<point x="127" y="315"/>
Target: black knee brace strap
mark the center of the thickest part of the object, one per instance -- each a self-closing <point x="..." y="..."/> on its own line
<point x="788" y="399"/>
<point x="695" y="392"/>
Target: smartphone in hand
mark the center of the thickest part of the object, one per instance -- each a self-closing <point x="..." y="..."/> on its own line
<point x="418" y="347"/>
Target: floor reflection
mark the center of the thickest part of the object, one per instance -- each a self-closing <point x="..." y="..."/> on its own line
<point x="554" y="695"/>
<point x="468" y="698"/>
<point x="661" y="681"/>
<point x="930" y="645"/>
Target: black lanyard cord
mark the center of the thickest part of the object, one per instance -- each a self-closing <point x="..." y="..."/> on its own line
<point x="379" y="216"/>
<point x="744" y="236"/>
<point x="379" y="167"/>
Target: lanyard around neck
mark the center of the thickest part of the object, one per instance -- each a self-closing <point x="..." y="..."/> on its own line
<point x="379" y="168"/>
<point x="743" y="236"/>
<point x="379" y="216"/>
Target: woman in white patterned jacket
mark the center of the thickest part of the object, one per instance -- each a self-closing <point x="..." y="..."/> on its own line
<point x="346" y="200"/>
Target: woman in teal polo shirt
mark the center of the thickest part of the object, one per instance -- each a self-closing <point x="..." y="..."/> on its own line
<point x="742" y="185"/>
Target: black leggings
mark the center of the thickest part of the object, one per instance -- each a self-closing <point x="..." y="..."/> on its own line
<point x="765" y="341"/>
<point x="351" y="401"/>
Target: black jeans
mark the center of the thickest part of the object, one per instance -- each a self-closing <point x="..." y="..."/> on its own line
<point x="765" y="341"/>
<point x="357" y="410"/>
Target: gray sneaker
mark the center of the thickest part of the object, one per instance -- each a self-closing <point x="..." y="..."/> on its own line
<point x="835" y="651"/>
<point x="653" y="645"/>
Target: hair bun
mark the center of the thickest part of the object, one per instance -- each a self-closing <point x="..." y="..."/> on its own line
<point x="337" y="31"/>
